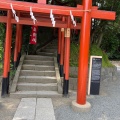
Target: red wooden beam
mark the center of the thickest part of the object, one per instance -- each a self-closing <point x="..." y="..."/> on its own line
<point x="100" y="14"/>
<point x="60" y="10"/>
<point x="41" y="8"/>
<point x="42" y="1"/>
<point x="41" y="16"/>
<point x="93" y="8"/>
<point x="40" y="22"/>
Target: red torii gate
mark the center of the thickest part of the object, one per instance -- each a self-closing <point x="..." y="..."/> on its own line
<point x="85" y="11"/>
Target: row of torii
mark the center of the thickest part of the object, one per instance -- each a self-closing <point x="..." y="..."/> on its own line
<point x="85" y="11"/>
<point x="34" y="19"/>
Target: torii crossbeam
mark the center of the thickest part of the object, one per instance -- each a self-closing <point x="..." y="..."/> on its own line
<point x="85" y="12"/>
<point x="59" y="10"/>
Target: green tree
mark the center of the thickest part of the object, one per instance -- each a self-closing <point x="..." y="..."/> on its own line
<point x="2" y="37"/>
<point x="104" y="33"/>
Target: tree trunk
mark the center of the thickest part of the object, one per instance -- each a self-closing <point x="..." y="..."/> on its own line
<point x="100" y="39"/>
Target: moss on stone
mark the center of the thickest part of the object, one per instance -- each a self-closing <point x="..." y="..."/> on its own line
<point x="94" y="50"/>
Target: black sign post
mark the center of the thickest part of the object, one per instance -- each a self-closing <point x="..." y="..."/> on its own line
<point x="94" y="75"/>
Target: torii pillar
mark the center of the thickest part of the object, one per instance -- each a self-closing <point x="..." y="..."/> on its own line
<point x="20" y="44"/>
<point x="62" y="50"/>
<point x="81" y="105"/>
<point x="59" y="44"/>
<point x="6" y="68"/>
<point x="16" y="46"/>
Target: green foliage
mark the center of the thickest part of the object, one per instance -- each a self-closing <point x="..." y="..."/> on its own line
<point x="111" y="44"/>
<point x="73" y="76"/>
<point x="12" y="73"/>
<point x="94" y="50"/>
<point x="2" y="37"/>
<point x="74" y="50"/>
<point x="104" y="32"/>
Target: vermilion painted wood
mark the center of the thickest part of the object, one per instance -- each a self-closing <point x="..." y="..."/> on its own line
<point x="101" y="14"/>
<point x="62" y="45"/>
<point x="59" y="40"/>
<point x="7" y="45"/>
<point x="16" y="42"/>
<point x="67" y="53"/>
<point x="40" y="22"/>
<point x="62" y="49"/>
<point x="20" y="39"/>
<point x="80" y="11"/>
<point x="64" y="61"/>
<point x="42" y="1"/>
<point x="10" y="50"/>
<point x="10" y="47"/>
<point x="67" y="58"/>
<point x="84" y="54"/>
<point x="93" y="7"/>
<point x="41" y="15"/>
<point x="60" y="10"/>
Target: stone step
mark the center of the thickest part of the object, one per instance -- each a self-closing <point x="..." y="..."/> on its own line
<point x="37" y="73"/>
<point x="118" y="68"/>
<point x="55" y="44"/>
<point x="49" y="50"/>
<point x="38" y="67"/>
<point x="51" y="47"/>
<point x="37" y="57"/>
<point x="36" y="94"/>
<point x="36" y="62"/>
<point x="37" y="79"/>
<point x="118" y="73"/>
<point x="46" y="54"/>
<point x="37" y="87"/>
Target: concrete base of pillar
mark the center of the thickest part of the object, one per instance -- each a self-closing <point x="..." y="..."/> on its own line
<point x="80" y="108"/>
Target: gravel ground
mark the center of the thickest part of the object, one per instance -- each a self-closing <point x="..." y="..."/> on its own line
<point x="8" y="108"/>
<point x="106" y="106"/>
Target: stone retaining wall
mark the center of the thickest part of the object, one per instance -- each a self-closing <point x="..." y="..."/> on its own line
<point x="106" y="74"/>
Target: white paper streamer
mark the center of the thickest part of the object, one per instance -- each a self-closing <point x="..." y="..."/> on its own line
<point x="52" y="18"/>
<point x="32" y="16"/>
<point x="72" y="18"/>
<point x="14" y="13"/>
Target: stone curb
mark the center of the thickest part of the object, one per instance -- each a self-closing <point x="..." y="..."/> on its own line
<point x="15" y="80"/>
<point x="58" y="76"/>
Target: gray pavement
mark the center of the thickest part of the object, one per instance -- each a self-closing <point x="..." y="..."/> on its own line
<point x="35" y="109"/>
<point x="106" y="106"/>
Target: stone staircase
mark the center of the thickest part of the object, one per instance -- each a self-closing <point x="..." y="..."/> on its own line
<point x="49" y="50"/>
<point x="37" y="76"/>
